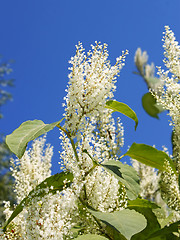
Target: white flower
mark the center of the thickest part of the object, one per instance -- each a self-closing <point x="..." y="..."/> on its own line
<point x="32" y="168"/>
<point x="91" y="84"/>
<point x="140" y="60"/>
<point x="172" y="53"/>
<point x="168" y="95"/>
<point x="149" y="180"/>
<point x="92" y="128"/>
<point x="170" y="187"/>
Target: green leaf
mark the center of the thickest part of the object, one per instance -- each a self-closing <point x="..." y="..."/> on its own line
<point x="150" y="106"/>
<point x="167" y="232"/>
<point x="149" y="156"/>
<point x="114" y="234"/>
<point x="91" y="237"/>
<point x="152" y="223"/>
<point x="122" y="108"/>
<point x="143" y="203"/>
<point x="126" y="175"/>
<point x="58" y="181"/>
<point x="145" y="207"/>
<point x="127" y="222"/>
<point x="27" y="131"/>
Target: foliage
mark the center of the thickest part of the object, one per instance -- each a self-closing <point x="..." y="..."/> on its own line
<point x="123" y="108"/>
<point x="96" y="195"/>
<point x="53" y="183"/>
<point x="149" y="156"/>
<point x="27" y="132"/>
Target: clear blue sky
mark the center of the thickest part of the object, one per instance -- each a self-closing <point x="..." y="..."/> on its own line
<point x="40" y="35"/>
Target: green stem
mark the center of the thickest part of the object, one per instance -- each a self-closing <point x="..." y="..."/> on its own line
<point x="94" y="161"/>
<point x="71" y="140"/>
<point x="122" y="156"/>
<point x="90" y="170"/>
<point x="96" y="219"/>
<point x="137" y="73"/>
<point x="101" y="228"/>
<point x="94" y="165"/>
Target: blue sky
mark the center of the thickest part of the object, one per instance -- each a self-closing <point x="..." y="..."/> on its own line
<point x="40" y="36"/>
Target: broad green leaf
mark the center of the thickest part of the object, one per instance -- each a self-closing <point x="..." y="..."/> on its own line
<point x="58" y="181"/>
<point x="27" y="131"/>
<point x="126" y="175"/>
<point x="128" y="170"/>
<point x="167" y="232"/>
<point x="152" y="223"/>
<point x="127" y="222"/>
<point x="91" y="237"/>
<point x="150" y="105"/>
<point x="149" y="156"/>
<point x="143" y="203"/>
<point x="122" y="108"/>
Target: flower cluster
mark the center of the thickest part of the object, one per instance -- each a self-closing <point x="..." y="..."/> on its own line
<point x="149" y="180"/>
<point x="91" y="83"/>
<point x="170" y="90"/>
<point x="91" y="142"/>
<point x="170" y="187"/>
<point x="91" y="126"/>
<point x="163" y="188"/>
<point x="89" y="133"/>
<point x="32" y="168"/>
<point x="172" y="53"/>
<point x="168" y="96"/>
<point x="145" y="70"/>
<point x="169" y="93"/>
<point x="43" y="218"/>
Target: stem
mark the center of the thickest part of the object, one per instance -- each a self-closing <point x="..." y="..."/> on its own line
<point x="71" y="140"/>
<point x="122" y="156"/>
<point x="137" y="73"/>
<point x="94" y="165"/>
<point x="96" y="219"/>
<point x="94" y="161"/>
<point x="85" y="193"/>
<point x="101" y="228"/>
<point x="90" y="170"/>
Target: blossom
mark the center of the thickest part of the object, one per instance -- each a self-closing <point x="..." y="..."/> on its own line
<point x="32" y="168"/>
<point x="170" y="187"/>
<point x="141" y="59"/>
<point x="168" y="94"/>
<point x="91" y="126"/>
<point x="149" y="180"/>
<point x="43" y="218"/>
<point x="147" y="71"/>
<point x="91" y="82"/>
<point x="172" y="53"/>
